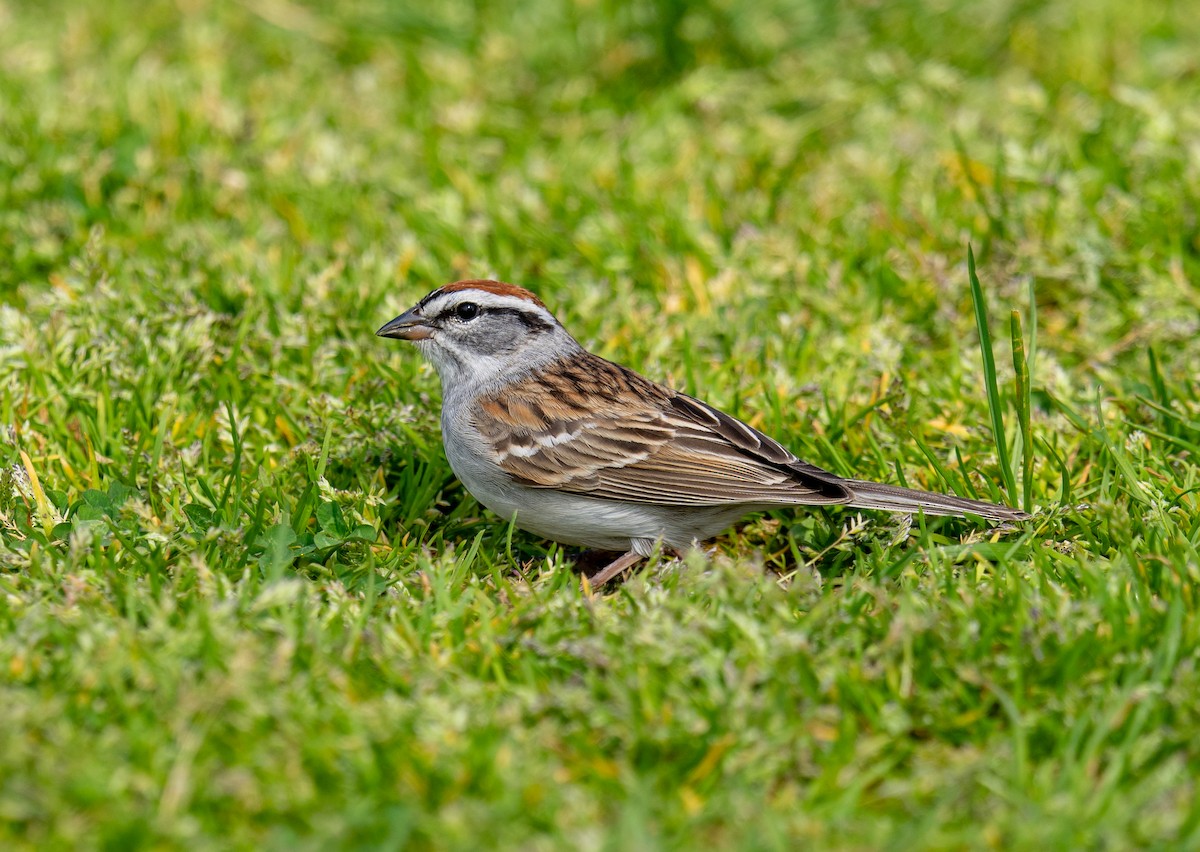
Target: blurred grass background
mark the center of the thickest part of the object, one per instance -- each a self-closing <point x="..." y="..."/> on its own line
<point x="244" y="603"/>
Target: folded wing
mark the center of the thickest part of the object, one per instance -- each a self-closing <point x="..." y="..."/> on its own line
<point x="647" y="444"/>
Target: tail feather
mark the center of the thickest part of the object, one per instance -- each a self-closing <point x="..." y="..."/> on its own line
<point x="875" y="495"/>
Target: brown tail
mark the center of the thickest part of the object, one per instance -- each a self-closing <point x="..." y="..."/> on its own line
<point x="875" y="495"/>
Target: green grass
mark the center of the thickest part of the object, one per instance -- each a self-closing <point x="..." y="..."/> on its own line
<point x="243" y="601"/>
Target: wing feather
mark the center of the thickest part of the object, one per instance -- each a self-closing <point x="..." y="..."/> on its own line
<point x="649" y="444"/>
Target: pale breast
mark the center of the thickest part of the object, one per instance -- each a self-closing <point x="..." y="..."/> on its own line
<point x="571" y="518"/>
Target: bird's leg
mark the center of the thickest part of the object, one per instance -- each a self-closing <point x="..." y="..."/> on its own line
<point x="614" y="568"/>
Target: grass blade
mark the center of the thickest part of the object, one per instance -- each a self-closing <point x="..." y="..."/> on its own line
<point x="1021" y="366"/>
<point x="1032" y="349"/>
<point x="989" y="374"/>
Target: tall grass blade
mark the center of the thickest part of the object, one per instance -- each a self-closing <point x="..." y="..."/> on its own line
<point x="989" y="375"/>
<point x="1021" y="367"/>
<point x="1032" y="349"/>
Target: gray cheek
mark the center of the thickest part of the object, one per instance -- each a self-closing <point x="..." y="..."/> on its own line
<point x="501" y="337"/>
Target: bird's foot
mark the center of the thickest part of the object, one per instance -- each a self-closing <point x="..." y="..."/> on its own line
<point x="614" y="568"/>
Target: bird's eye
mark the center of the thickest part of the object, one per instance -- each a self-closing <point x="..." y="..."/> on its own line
<point x="467" y="311"/>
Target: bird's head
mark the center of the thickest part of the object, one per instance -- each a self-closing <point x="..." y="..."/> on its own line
<point x="480" y="332"/>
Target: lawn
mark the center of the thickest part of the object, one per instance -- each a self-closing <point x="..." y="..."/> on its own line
<point x="245" y="604"/>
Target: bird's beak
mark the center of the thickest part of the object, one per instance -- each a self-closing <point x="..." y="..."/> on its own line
<point x="408" y="326"/>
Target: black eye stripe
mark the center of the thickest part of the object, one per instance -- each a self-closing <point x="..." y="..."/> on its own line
<point x="529" y="319"/>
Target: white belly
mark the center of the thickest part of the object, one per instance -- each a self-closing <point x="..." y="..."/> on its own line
<point x="577" y="519"/>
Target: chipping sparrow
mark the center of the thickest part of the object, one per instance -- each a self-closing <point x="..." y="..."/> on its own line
<point x="582" y="451"/>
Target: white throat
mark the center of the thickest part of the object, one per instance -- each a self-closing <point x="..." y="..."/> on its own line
<point x="469" y="375"/>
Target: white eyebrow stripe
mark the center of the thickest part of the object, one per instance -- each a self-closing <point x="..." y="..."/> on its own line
<point x="446" y="301"/>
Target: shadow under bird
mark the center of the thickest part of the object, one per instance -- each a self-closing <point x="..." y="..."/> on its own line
<point x="582" y="451"/>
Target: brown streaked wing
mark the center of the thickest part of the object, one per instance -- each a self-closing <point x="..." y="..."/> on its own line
<point x="650" y="444"/>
